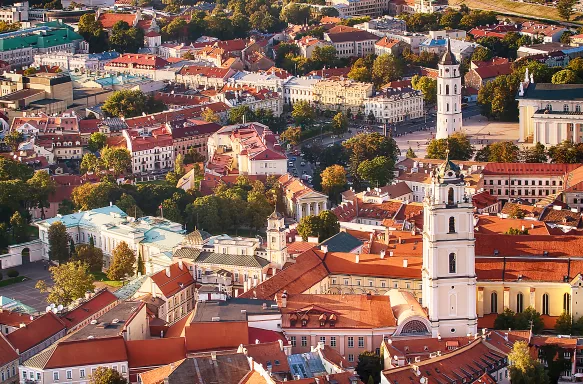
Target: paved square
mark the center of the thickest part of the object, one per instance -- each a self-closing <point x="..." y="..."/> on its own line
<point x="25" y="291"/>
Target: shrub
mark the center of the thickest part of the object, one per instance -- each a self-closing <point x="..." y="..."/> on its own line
<point x="13" y="273"/>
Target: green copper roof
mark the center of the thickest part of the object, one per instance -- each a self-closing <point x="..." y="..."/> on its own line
<point x="50" y="39"/>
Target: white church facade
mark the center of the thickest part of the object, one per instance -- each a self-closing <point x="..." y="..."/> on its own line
<point x="449" y="96"/>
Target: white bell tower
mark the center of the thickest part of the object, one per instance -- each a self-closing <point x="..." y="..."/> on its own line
<point x="276" y="244"/>
<point x="449" y="272"/>
<point x="449" y="95"/>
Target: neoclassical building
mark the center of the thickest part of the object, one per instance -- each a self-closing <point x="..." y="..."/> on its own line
<point x="301" y="200"/>
<point x="549" y="113"/>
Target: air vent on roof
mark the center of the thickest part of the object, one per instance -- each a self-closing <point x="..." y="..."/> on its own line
<point x="217" y="318"/>
<point x="115" y="321"/>
<point x="93" y="322"/>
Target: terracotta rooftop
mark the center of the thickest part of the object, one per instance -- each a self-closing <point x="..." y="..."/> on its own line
<point x="88" y="308"/>
<point x="7" y="353"/>
<point x="496" y="225"/>
<point x="527" y="269"/>
<point x="36" y="332"/>
<point x="14" y="319"/>
<point x="158" y="375"/>
<point x="546" y="169"/>
<point x="108" y="19"/>
<point x="178" y="279"/>
<point x="269" y="355"/>
<point x="155" y="352"/>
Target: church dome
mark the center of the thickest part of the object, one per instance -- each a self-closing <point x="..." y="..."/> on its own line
<point x="193" y="238"/>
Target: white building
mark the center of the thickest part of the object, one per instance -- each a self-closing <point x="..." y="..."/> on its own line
<point x="351" y="8"/>
<point x="151" y="150"/>
<point x="16" y="13"/>
<point x="351" y="42"/>
<point x="69" y="61"/>
<point x="459" y="48"/>
<point x="449" y="273"/>
<point x="449" y="96"/>
<point x="256" y="79"/>
<point x="254" y="98"/>
<point x="395" y="104"/>
<point x="299" y="89"/>
<point x="152" y="237"/>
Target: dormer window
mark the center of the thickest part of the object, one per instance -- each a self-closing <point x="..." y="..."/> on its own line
<point x="304" y="323"/>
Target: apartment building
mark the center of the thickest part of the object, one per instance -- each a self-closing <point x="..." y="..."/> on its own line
<point x="151" y="150"/>
<point x="351" y="42"/>
<point x="395" y="104"/>
<point x="191" y="134"/>
<point x="351" y="8"/>
<point x="341" y="95"/>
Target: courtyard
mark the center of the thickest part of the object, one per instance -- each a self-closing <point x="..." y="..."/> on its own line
<point x="25" y="290"/>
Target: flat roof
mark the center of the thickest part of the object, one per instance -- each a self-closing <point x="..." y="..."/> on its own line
<point x="231" y="310"/>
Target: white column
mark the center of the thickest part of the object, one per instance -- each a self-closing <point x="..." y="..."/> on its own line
<point x="308" y="209"/>
<point x="521" y="117"/>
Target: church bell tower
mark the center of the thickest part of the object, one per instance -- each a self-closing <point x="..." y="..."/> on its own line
<point x="449" y="95"/>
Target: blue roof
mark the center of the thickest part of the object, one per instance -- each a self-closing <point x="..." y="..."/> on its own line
<point x="434" y="42"/>
<point x="306" y="365"/>
<point x="342" y="242"/>
<point x="104" y="55"/>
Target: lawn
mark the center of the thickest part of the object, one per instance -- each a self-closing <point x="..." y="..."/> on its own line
<point x="12" y="280"/>
<point x="102" y="277"/>
<point x="515" y="7"/>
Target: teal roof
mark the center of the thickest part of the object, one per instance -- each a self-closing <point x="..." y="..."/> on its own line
<point x="94" y="217"/>
<point x="51" y="38"/>
<point x="342" y="242"/>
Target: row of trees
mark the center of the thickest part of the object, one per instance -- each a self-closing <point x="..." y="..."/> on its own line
<point x="131" y="103"/>
<point x="288" y="57"/>
<point x="463" y="18"/>
<point x="112" y="159"/>
<point x="122" y="38"/>
<point x="378" y="70"/>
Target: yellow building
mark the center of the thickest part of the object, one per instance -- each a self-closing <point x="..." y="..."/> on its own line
<point x="341" y="95"/>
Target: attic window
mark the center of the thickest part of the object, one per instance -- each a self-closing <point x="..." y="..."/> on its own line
<point x="276" y="362"/>
<point x="304" y="322"/>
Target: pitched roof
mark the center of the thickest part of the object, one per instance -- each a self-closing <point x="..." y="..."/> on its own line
<point x="269" y="354"/>
<point x="155" y="352"/>
<point x="527" y="269"/>
<point x="351" y="311"/>
<point x="529" y="245"/>
<point x="334" y="357"/>
<point x="491" y="71"/>
<point x="341" y="34"/>
<point x="109" y="19"/>
<point x="265" y="336"/>
<point x="157" y="375"/>
<point x="36" y="332"/>
<point x="546" y="169"/>
<point x="178" y="279"/>
<point x="80" y="353"/>
<point x="7" y="353"/>
<point x="342" y="242"/>
<point x="497" y="225"/>
<point x="88" y="308"/>
<point x="14" y="319"/>
<point x="216" y="335"/>
<point x="373" y="265"/>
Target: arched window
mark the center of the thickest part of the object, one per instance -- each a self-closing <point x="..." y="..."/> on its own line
<point x="567" y="303"/>
<point x="455" y="89"/>
<point x="549" y="107"/>
<point x="452" y="224"/>
<point x="519" y="302"/>
<point x="440" y="89"/>
<point x="452" y="264"/>
<point x="447" y="107"/>
<point x="447" y="89"/>
<point x="545" y="304"/>
<point x="450" y="196"/>
<point x="565" y="108"/>
<point x="494" y="302"/>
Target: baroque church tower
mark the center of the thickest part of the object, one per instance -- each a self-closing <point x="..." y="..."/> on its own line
<point x="276" y="244"/>
<point x="449" y="95"/>
<point x="449" y="273"/>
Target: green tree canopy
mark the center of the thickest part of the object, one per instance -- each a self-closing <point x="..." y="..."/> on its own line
<point x="130" y="103"/>
<point x="303" y="113"/>
<point x="339" y="123"/>
<point x="500" y="152"/>
<point x="377" y="172"/>
<point x="70" y="282"/>
<point x="123" y="259"/>
<point x="90" y="255"/>
<point x="97" y="141"/>
<point x="369" y="366"/>
<point x="58" y="242"/>
<point x="427" y="86"/>
<point x="458" y="144"/>
<point x="292" y="135"/>
<point x="386" y="68"/>
<point x="105" y="375"/>
<point x="566" y="76"/>
<point x="523" y="368"/>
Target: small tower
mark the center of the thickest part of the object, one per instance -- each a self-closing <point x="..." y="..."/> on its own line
<point x="449" y="272"/>
<point x="449" y="95"/>
<point x="276" y="244"/>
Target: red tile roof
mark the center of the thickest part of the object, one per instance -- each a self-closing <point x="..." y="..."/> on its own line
<point x="14" y="319"/>
<point x="267" y="354"/>
<point x="265" y="336"/>
<point x="489" y="225"/>
<point x="178" y="280"/>
<point x="491" y="71"/>
<point x="155" y="352"/>
<point x="217" y="335"/>
<point x="334" y="357"/>
<point x="87" y="352"/>
<point x="212" y="72"/>
<point x="35" y="332"/>
<point x="7" y="353"/>
<point x="547" y="169"/>
<point x="139" y="61"/>
<point x="108" y="19"/>
<point x="528" y="245"/>
<point x="527" y="269"/>
<point x="88" y="308"/>
<point x="157" y="119"/>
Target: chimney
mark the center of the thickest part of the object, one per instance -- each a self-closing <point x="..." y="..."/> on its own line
<point x="390" y="253"/>
<point x="382" y="253"/>
<point x="180" y="265"/>
<point x="214" y="356"/>
<point x="324" y="248"/>
<point x="168" y="271"/>
<point x="523" y="228"/>
<point x="257" y="341"/>
<point x="405" y="263"/>
<point x="284" y="299"/>
<point x="88" y="295"/>
<point x="357" y="258"/>
<point x="280" y="341"/>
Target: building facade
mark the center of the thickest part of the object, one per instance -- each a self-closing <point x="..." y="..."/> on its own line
<point x="449" y="96"/>
<point x="395" y="104"/>
<point x="341" y="95"/>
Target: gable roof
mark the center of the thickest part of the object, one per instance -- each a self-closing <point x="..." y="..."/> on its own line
<point x="88" y="308"/>
<point x="36" y="332"/>
<point x="7" y="353"/>
<point x="177" y="280"/>
<point x="342" y="242"/>
<point x="269" y="355"/>
<point x="155" y="352"/>
<point x="109" y="19"/>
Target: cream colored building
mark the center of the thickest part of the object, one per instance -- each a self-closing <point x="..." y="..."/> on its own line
<point x="341" y="95"/>
<point x="394" y="105"/>
<point x="301" y="200"/>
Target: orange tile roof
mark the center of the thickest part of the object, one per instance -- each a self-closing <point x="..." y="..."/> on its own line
<point x="254" y="378"/>
<point x="108" y="19"/>
<point x="373" y="265"/>
<point x="528" y="245"/>
<point x="7" y="353"/>
<point x="265" y="336"/>
<point x="157" y="375"/>
<point x="178" y="280"/>
<point x="178" y="328"/>
<point x="337" y="378"/>
<point x="527" y="269"/>
<point x="36" y="331"/>
<point x="351" y="311"/>
<point x="205" y="336"/>
<point x="155" y="352"/>
<point x="88" y="308"/>
<point x="267" y="354"/>
<point x="298" y="247"/>
<point x="498" y="225"/>
<point x="334" y="357"/>
<point x="14" y="319"/>
<point x="546" y="169"/>
<point x="87" y="352"/>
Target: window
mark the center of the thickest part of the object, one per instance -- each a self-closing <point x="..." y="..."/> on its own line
<point x="450" y="196"/>
<point x="447" y="89"/>
<point x="82" y="373"/>
<point x="519" y="302"/>
<point x="361" y="342"/>
<point x="567" y="302"/>
<point x="455" y="89"/>
<point x="323" y="339"/>
<point x="577" y="108"/>
<point x="69" y="375"/>
<point x="24" y="375"/>
<point x="452" y="224"/>
<point x="292" y="341"/>
<point x="350" y="342"/>
<point x="332" y="341"/>
<point x="55" y="376"/>
<point x="565" y="108"/>
<point x="350" y="357"/>
<point x="37" y="375"/>
<point x="545" y="304"/>
<point x="493" y="302"/>
<point x="304" y="341"/>
<point x="452" y="266"/>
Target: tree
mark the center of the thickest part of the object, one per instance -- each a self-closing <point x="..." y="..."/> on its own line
<point x="329" y="225"/>
<point x="19" y="227"/>
<point x="566" y="152"/>
<point x="529" y="318"/>
<point x="209" y="116"/>
<point x="13" y="140"/>
<point x="481" y="54"/>
<point x="360" y="71"/>
<point x="90" y="255"/>
<point x="118" y="160"/>
<point x="564" y="324"/>
<point x="427" y="86"/>
<point x="500" y="152"/>
<point x="71" y="248"/>
<point x="203" y="213"/>
<point x="303" y="113"/>
<point x="505" y="320"/>
<point x="40" y="187"/>
<point x="66" y="207"/>
<point x="458" y="144"/>
<point x="171" y="211"/>
<point x="141" y="269"/>
<point x="240" y="114"/>
<point x="523" y="368"/>
<point x="367" y="146"/>
<point x="128" y="204"/>
<point x="369" y="365"/>
<point x="70" y="282"/>
<point x="566" y="76"/>
<point x="333" y="180"/>
<point x="126" y="39"/>
<point x="295" y="13"/>
<point x="410" y="153"/>
<point x="339" y="123"/>
<point x="258" y="208"/>
<point x="179" y="164"/>
<point x="292" y="135"/>
<point x="97" y="140"/>
<point x="175" y="30"/>
<point x="309" y="226"/>
<point x="58" y="242"/>
<point x="386" y="68"/>
<point x="565" y="8"/>
<point x="90" y="163"/>
<point x="324" y="56"/>
<point x="91" y="195"/>
<point x="377" y="172"/>
<point x="130" y="103"/>
<point x="516" y="212"/>
<point x="105" y="375"/>
<point x="122" y="262"/>
<point x="497" y="98"/>
<point x="92" y="31"/>
<point x="576" y="65"/>
<point x="536" y="154"/>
